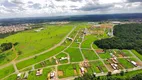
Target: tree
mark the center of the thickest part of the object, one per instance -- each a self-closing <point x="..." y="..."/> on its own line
<point x="109" y="74"/>
<point x="122" y="73"/>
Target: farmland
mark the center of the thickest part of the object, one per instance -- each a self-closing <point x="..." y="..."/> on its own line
<point x="66" y="51"/>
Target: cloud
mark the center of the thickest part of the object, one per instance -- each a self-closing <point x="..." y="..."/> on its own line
<point x="35" y="6"/>
<point x="93" y="7"/>
<point x="30" y="8"/>
<point x="17" y="2"/>
<point x="76" y="0"/>
<point x="134" y="0"/>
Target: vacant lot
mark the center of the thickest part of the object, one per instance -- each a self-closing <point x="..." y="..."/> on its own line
<point x="69" y="70"/>
<point x="31" y="42"/>
<point x="75" y="54"/>
<point x="6" y="71"/>
<point x="89" y="54"/>
<point x="7" y="57"/>
<point x="39" y="58"/>
<point x="125" y="63"/>
<point x="44" y="76"/>
<point x="96" y="67"/>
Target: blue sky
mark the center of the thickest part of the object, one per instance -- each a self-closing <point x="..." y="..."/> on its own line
<point x="41" y="8"/>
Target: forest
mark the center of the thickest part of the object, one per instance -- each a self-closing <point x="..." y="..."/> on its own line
<point x="126" y="36"/>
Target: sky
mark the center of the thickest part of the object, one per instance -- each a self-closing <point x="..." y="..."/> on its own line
<point x="45" y="8"/>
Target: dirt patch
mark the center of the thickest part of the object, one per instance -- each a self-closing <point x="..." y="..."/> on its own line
<point x="60" y="73"/>
<point x="75" y="72"/>
<point x="121" y="66"/>
<point x="120" y="55"/>
<point x="109" y="66"/>
<point x="100" y="51"/>
<point x="106" y="26"/>
<point x="139" y="63"/>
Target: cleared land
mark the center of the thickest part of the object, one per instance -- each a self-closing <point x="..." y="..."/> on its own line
<point x="66" y="59"/>
<point x="75" y="54"/>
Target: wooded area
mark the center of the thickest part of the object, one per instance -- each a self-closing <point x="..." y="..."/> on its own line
<point x="127" y="36"/>
<point x="5" y="46"/>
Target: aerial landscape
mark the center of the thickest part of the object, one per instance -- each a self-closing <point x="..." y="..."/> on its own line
<point x="70" y="40"/>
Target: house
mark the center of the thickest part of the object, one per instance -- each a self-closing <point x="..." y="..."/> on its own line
<point x="134" y="63"/>
<point x="69" y="38"/>
<point x="114" y="60"/>
<point x="19" y="75"/>
<point x="82" y="70"/>
<point x="116" y="22"/>
<point x="63" y="58"/>
<point x="52" y="75"/>
<point x="39" y="72"/>
<point x="37" y="30"/>
<point x="26" y="75"/>
<point x="114" y="66"/>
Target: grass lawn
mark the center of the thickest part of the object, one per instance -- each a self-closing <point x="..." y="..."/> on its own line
<point x="89" y="54"/>
<point x="105" y="55"/>
<point x="62" y="55"/>
<point x="95" y="46"/>
<point x="12" y="77"/>
<point x="68" y="70"/>
<point x="26" y="69"/>
<point x="127" y="53"/>
<point x="137" y="54"/>
<point x="88" y="41"/>
<point x="6" y="57"/>
<point x="75" y="44"/>
<point x="66" y="43"/>
<point x="39" y="58"/>
<point x="77" y="40"/>
<point x="33" y="44"/>
<point x="6" y="71"/>
<point x="125" y="63"/>
<point x="45" y="63"/>
<point x="32" y="75"/>
<point x="94" y="67"/>
<point x="75" y="54"/>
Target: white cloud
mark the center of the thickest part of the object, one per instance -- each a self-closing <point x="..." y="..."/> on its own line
<point x="33" y="8"/>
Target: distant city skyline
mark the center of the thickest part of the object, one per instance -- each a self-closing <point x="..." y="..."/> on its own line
<point x="45" y="8"/>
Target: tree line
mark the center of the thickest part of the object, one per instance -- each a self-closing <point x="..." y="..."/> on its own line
<point x="5" y="46"/>
<point x="127" y="36"/>
<point x="109" y="76"/>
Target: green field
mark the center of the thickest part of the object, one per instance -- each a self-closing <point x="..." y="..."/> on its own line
<point x="31" y="42"/>
<point x="62" y="55"/>
<point x="6" y="57"/>
<point x="94" y="67"/>
<point x="125" y="63"/>
<point x="45" y="63"/>
<point x="137" y="54"/>
<point x="105" y="55"/>
<point x="39" y="58"/>
<point x="6" y="71"/>
<point x="68" y="70"/>
<point x="12" y="77"/>
<point x="75" y="54"/>
<point x="32" y="75"/>
<point x="88" y="41"/>
<point x="127" y="53"/>
<point x="89" y="54"/>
